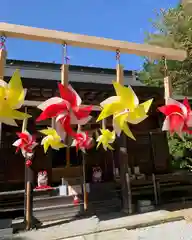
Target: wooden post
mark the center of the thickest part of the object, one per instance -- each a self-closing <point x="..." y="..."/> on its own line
<point x="123" y="156"/>
<point x="120" y="74"/>
<point x="3" y="55"/>
<point x="167" y="82"/>
<point x="167" y="88"/>
<point x="65" y="74"/>
<point x="64" y="81"/>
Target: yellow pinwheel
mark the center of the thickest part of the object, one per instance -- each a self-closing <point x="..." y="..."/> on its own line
<point x="12" y="97"/>
<point x="124" y="108"/>
<point x="106" y="138"/>
<point x="52" y="139"/>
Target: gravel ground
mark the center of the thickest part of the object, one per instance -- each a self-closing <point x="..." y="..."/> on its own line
<point x="180" y="230"/>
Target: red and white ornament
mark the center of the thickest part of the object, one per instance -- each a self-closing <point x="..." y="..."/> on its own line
<point x="82" y="141"/>
<point x="26" y="143"/>
<point x="66" y="109"/>
<point x="178" y="117"/>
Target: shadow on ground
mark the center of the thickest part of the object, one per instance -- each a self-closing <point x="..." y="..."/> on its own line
<point x="110" y="216"/>
<point x="101" y="217"/>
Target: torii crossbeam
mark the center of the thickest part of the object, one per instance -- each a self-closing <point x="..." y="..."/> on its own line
<point x="78" y="40"/>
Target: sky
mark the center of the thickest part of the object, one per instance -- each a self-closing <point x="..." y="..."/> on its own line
<point x="126" y="20"/>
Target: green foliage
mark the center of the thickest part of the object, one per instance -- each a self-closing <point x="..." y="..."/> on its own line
<point x="173" y="28"/>
<point x="181" y="151"/>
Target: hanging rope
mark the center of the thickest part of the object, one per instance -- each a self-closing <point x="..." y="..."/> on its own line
<point x="119" y="68"/>
<point x="2" y="42"/>
<point x="165" y="68"/>
<point x="65" y="56"/>
<point x="118" y="55"/>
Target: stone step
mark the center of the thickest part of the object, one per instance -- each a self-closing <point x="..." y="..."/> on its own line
<point x="6" y="233"/>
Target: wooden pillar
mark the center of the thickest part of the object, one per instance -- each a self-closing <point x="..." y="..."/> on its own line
<point x="64" y="81"/>
<point x="3" y="55"/>
<point x="123" y="155"/>
<point x="167" y="88"/>
<point x="167" y="82"/>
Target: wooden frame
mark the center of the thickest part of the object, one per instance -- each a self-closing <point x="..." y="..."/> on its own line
<point x="78" y="40"/>
<point x="45" y="35"/>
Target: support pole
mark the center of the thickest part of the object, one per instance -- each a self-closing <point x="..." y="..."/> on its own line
<point x="122" y="149"/>
<point x="85" y="197"/>
<point x="64" y="82"/>
<point x="28" y="187"/>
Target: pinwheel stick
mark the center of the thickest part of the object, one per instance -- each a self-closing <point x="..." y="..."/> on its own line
<point x="28" y="187"/>
<point x="85" y="197"/>
<point x="103" y="123"/>
<point x="64" y="81"/>
<point x="122" y="147"/>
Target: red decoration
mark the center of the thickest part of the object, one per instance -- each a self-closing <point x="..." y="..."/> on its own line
<point x="28" y="163"/>
<point x="82" y="141"/>
<point x="25" y="143"/>
<point x="67" y="109"/>
<point x="178" y="117"/>
<point x="76" y="200"/>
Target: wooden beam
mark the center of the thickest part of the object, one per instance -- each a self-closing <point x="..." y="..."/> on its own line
<point x="29" y="103"/>
<point x="3" y="55"/>
<point x="78" y="40"/>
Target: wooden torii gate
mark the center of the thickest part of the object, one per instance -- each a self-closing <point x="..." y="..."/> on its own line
<point x="78" y="40"/>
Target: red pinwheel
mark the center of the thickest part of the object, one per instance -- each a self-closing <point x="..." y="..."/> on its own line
<point x="82" y="141"/>
<point x="178" y="117"/>
<point x="67" y="109"/>
<point x="25" y="143"/>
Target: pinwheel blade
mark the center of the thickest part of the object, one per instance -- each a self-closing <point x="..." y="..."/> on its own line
<point x="137" y="116"/>
<point x="46" y="145"/>
<point x="147" y="105"/>
<point x="121" y="123"/>
<point x="127" y="95"/>
<point x="110" y="109"/>
<point x="15" y="91"/>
